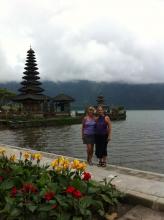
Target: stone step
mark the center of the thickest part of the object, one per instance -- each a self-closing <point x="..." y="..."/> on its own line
<point x="142" y="213"/>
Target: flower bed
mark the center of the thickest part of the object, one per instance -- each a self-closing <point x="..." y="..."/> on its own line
<point x="62" y="190"/>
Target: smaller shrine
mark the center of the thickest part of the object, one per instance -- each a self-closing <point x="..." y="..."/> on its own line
<point x="62" y="104"/>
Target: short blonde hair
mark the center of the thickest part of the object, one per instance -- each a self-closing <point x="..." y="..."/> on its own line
<point x="90" y="108"/>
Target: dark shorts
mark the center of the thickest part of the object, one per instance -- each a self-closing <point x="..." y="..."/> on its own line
<point x="101" y="145"/>
<point x="89" y="139"/>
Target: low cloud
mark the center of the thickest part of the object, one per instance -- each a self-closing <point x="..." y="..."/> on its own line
<point x="100" y="41"/>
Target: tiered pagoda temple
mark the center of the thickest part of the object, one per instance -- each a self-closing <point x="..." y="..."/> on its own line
<point x="31" y="95"/>
<point x="100" y="100"/>
<point x="115" y="113"/>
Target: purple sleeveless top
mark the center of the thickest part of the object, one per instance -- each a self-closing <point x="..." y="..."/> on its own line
<point x="101" y="126"/>
<point x="89" y="126"/>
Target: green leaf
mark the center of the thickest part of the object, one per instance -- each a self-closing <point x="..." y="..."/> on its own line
<point x="86" y="202"/>
<point x="42" y="192"/>
<point x="35" y="198"/>
<point x="53" y="186"/>
<point x="62" y="201"/>
<point x="32" y="208"/>
<point x="80" y="185"/>
<point x="45" y="208"/>
<point x="106" y="199"/>
<point x="115" y="200"/>
<point x="6" y="209"/>
<point x="77" y="218"/>
<point x="15" y="213"/>
<point x="44" y="179"/>
<point x="64" y="216"/>
<point x="93" y="190"/>
<point x="98" y="205"/>
<point x="9" y="200"/>
<point x="6" y="185"/>
<point x="42" y="215"/>
<point x="101" y="212"/>
<point x="85" y="212"/>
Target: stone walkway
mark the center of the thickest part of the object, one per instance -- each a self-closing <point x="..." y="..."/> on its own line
<point x="142" y="213"/>
<point x="141" y="187"/>
<point x="144" y="188"/>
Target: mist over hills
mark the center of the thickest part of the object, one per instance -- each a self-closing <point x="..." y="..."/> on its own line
<point x="132" y="96"/>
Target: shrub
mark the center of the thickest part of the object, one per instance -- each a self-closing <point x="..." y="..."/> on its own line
<point x="63" y="190"/>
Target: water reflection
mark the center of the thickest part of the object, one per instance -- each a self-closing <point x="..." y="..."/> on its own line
<point x="34" y="138"/>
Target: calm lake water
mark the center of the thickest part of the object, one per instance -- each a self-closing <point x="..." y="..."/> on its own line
<point x="137" y="142"/>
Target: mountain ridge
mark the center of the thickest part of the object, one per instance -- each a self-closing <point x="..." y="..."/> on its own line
<point x="131" y="96"/>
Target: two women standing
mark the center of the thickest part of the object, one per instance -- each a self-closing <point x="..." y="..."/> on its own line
<point x="96" y="130"/>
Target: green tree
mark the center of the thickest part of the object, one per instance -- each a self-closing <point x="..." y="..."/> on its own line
<point x="5" y="96"/>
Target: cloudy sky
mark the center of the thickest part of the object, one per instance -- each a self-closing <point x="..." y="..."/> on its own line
<point x="100" y="40"/>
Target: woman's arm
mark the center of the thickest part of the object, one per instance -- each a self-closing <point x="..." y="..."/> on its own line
<point x="108" y="121"/>
<point x="82" y="128"/>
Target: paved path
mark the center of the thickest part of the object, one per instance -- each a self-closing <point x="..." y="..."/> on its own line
<point x="142" y="213"/>
<point x="144" y="188"/>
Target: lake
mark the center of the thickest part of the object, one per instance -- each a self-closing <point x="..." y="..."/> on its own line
<point x="137" y="142"/>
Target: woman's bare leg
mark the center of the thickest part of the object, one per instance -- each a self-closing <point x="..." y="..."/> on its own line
<point x="89" y="152"/>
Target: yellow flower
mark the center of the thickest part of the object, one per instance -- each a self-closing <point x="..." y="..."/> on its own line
<point x="2" y="150"/>
<point x="37" y="156"/>
<point x="81" y="166"/>
<point x="60" y="164"/>
<point x="26" y="155"/>
<point x="32" y="156"/>
<point x="75" y="164"/>
<point x="58" y="169"/>
<point x="66" y="164"/>
<point x="61" y="160"/>
<point x="54" y="163"/>
<point x="12" y="157"/>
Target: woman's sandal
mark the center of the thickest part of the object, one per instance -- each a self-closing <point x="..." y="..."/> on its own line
<point x="103" y="164"/>
<point x="99" y="164"/>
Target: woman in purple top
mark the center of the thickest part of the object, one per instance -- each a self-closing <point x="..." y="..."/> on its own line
<point x="88" y="133"/>
<point x="103" y="135"/>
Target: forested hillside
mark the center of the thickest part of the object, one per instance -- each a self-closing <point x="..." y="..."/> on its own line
<point x="140" y="96"/>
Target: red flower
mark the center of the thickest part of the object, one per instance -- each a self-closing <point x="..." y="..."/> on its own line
<point x="77" y="194"/>
<point x="49" y="195"/>
<point x="70" y="189"/>
<point x="1" y="178"/>
<point x="86" y="176"/>
<point x="29" y="188"/>
<point x="54" y="206"/>
<point x="13" y="191"/>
